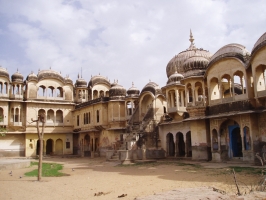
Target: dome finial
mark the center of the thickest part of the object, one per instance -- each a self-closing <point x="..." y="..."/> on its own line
<point x="191" y="39"/>
<point x="132" y="84"/>
<point x="78" y="75"/>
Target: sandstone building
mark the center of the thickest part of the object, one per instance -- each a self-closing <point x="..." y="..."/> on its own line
<point x="211" y="108"/>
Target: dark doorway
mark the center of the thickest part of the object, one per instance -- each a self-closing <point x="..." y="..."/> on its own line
<point x="235" y="141"/>
<point x="180" y="144"/>
<point x="86" y="146"/>
<point x="49" y="147"/>
<point x="188" y="144"/>
<point x="170" y="144"/>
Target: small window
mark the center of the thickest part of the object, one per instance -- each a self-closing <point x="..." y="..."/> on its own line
<point x="67" y="145"/>
<point x="98" y="116"/>
<point x="77" y="120"/>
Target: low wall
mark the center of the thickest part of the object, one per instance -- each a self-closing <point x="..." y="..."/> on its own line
<point x="9" y="164"/>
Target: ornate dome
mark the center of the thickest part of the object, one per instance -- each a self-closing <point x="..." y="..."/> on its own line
<point x="49" y="74"/>
<point x="260" y="42"/>
<point x="17" y="77"/>
<point x="175" y="78"/>
<point x="231" y="50"/>
<point x="4" y="72"/>
<point x="195" y="66"/>
<point x="177" y="62"/>
<point x="117" y="91"/>
<point x="98" y="79"/>
<point x="68" y="80"/>
<point x="133" y="91"/>
<point x="81" y="82"/>
<point x="32" y="77"/>
<point x="152" y="87"/>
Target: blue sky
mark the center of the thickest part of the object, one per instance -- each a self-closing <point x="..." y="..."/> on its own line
<point x="129" y="41"/>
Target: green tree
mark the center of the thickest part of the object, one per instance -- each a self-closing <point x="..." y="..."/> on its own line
<point x="2" y="128"/>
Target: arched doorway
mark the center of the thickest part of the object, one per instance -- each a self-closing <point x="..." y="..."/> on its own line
<point x="188" y="144"/>
<point x="235" y="141"/>
<point x="38" y="147"/>
<point x="59" y="147"/>
<point x="86" y="145"/>
<point x="180" y="147"/>
<point x="49" y="147"/>
<point x="170" y="144"/>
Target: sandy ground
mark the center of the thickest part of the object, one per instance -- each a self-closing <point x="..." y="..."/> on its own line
<point x="98" y="179"/>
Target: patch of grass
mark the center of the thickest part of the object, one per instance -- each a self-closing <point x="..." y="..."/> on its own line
<point x="247" y="170"/>
<point x="48" y="170"/>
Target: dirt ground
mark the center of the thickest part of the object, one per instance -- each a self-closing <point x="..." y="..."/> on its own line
<point x="98" y="179"/>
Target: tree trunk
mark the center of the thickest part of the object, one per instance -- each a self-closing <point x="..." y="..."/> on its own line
<point x="40" y="159"/>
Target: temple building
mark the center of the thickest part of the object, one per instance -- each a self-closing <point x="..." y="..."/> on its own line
<point x="211" y="108"/>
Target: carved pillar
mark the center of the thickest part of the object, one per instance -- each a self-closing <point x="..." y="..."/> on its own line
<point x="177" y="99"/>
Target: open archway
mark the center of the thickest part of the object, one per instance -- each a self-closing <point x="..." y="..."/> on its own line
<point x="180" y="145"/>
<point x="170" y="144"/>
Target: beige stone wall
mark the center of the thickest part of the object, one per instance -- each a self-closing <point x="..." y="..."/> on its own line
<point x="59" y="146"/>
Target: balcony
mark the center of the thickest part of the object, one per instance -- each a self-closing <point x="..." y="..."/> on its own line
<point x="174" y="109"/>
<point x="230" y="107"/>
<point x="16" y="123"/>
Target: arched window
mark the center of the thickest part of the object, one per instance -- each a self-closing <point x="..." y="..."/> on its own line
<point x="50" y="116"/>
<point x="41" y="91"/>
<point x="59" y="92"/>
<point x="214" y="89"/>
<point x="1" y="114"/>
<point x="95" y="94"/>
<point x="59" y="116"/>
<point x="84" y="118"/>
<point x="89" y="118"/>
<point x="50" y="91"/>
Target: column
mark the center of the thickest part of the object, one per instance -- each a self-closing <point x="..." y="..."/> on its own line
<point x="132" y="105"/>
<point x="242" y="84"/>
<point x="168" y="100"/>
<point x="193" y="95"/>
<point x="219" y="141"/>
<point x="233" y="88"/>
<point x="177" y="99"/>
<point x="204" y="95"/>
<point x="182" y="98"/>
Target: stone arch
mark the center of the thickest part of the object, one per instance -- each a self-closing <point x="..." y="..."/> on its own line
<point x="214" y="89"/>
<point x="59" y="92"/>
<point x="239" y="79"/>
<point x="170" y="144"/>
<point x="50" y="116"/>
<point x="1" y="114"/>
<point x="42" y="91"/>
<point x="59" y="147"/>
<point x="59" y="116"/>
<point x="189" y="93"/>
<point x="199" y="91"/>
<point x="260" y="75"/>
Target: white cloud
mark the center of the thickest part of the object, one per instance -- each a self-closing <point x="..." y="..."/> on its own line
<point x="124" y="40"/>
